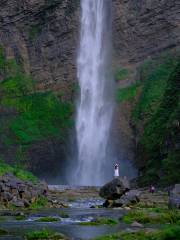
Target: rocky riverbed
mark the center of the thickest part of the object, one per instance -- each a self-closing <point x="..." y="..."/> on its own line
<point x="74" y="212"/>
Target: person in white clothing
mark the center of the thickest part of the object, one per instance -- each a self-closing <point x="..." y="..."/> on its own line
<point x="116" y="170"/>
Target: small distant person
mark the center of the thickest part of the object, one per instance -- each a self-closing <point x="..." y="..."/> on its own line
<point x="116" y="170"/>
<point x="152" y="189"/>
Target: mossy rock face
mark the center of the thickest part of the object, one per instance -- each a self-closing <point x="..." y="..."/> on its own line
<point x="100" y="221"/>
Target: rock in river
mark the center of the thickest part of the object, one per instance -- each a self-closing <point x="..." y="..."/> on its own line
<point x="115" y="189"/>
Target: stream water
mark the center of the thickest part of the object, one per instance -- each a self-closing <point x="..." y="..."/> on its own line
<point x="68" y="226"/>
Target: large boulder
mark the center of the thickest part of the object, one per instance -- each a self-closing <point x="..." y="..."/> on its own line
<point x="174" y="197"/>
<point x="129" y="198"/>
<point x="115" y="189"/>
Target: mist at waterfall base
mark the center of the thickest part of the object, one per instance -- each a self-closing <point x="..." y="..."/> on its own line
<point x="93" y="160"/>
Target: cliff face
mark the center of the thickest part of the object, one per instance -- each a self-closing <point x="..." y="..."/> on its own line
<point x="143" y="28"/>
<point x="42" y="35"/>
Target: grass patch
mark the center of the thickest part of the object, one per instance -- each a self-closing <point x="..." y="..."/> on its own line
<point x="128" y="93"/>
<point x="48" y="219"/>
<point x="43" y="234"/>
<point x="168" y="233"/>
<point x="41" y="202"/>
<point x="100" y="221"/>
<point x="16" y="171"/>
<point x="153" y="217"/>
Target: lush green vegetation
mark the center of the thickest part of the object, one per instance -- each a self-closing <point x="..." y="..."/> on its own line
<point x="169" y="233"/>
<point x="48" y="219"/>
<point x="100" y="221"/>
<point x="128" y="93"/>
<point x="31" y="116"/>
<point x="150" y="216"/>
<point x="41" y="202"/>
<point x="18" y="172"/>
<point x="157" y="111"/>
<point x="43" y="234"/>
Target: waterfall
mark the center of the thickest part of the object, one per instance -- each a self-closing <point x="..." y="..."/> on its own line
<point x="95" y="106"/>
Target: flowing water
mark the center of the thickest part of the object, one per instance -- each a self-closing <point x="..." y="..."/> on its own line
<point x="95" y="107"/>
<point x="68" y="226"/>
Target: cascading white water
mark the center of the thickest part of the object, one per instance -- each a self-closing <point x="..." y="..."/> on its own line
<point x="95" y="107"/>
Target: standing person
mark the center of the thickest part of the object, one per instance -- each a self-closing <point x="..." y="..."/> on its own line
<point x="116" y="170"/>
<point x="152" y="189"/>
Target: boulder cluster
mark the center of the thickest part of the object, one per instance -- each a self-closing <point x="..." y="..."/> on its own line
<point x="18" y="193"/>
<point x="118" y="194"/>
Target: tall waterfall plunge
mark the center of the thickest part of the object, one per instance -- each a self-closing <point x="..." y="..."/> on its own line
<point x="95" y="107"/>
